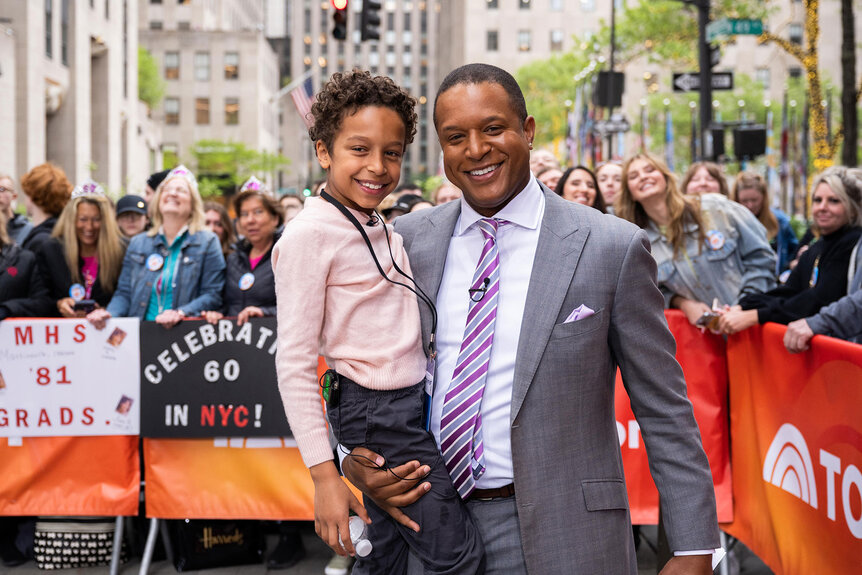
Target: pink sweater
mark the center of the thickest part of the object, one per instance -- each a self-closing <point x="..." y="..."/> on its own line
<point x="332" y="301"/>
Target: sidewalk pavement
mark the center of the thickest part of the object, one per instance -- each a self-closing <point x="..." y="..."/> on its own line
<point x="318" y="555"/>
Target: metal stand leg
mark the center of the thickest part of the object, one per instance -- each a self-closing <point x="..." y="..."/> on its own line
<point x="118" y="546"/>
<point x="150" y="546"/>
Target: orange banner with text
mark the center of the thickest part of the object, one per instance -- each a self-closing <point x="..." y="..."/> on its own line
<point x="703" y="360"/>
<point x="69" y="476"/>
<point x="797" y="451"/>
<point x="228" y="478"/>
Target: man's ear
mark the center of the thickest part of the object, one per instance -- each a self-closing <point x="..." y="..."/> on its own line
<point x="322" y="154"/>
<point x="530" y="128"/>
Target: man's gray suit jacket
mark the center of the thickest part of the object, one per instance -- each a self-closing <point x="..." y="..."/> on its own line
<point x="568" y="473"/>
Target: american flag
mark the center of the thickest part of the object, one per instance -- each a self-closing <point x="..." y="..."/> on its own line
<point x="303" y="97"/>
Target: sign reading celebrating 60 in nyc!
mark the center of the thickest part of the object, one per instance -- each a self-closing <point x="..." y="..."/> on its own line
<point x="203" y="380"/>
<point x="65" y="378"/>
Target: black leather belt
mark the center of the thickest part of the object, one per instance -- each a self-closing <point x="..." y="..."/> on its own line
<point x="495" y="493"/>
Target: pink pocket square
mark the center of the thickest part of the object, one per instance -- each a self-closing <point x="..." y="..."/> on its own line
<point x="579" y="312"/>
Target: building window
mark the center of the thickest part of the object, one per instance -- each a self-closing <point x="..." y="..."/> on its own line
<point x="231" y="111"/>
<point x="524" y="41"/>
<point x="184" y="26"/>
<point x="64" y="32"/>
<point x="172" y="65"/>
<point x="556" y="5"/>
<point x="795" y="72"/>
<point x="202" y="111"/>
<point x="492" y="41"/>
<point x="524" y="4"/>
<point x="795" y="33"/>
<point x="390" y="21"/>
<point x="202" y="66"/>
<point x="763" y="77"/>
<point x="156" y="25"/>
<point x="172" y="111"/>
<point x="492" y="4"/>
<point x="588" y="5"/>
<point x="556" y="40"/>
<point x="49" y="28"/>
<point x="231" y="65"/>
<point x="407" y="22"/>
<point x="155" y="1"/>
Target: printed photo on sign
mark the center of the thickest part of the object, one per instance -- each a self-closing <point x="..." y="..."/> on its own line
<point x="125" y="405"/>
<point x="117" y="337"/>
<point x="2" y="381"/>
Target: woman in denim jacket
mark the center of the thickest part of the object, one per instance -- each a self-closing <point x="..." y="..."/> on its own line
<point x="174" y="270"/>
<point x="707" y="248"/>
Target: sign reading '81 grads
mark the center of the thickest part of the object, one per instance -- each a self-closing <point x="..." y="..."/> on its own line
<point x="205" y="380"/>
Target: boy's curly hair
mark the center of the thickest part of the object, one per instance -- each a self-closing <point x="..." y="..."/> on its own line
<point x="346" y="92"/>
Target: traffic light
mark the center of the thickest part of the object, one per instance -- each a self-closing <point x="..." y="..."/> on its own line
<point x="339" y="19"/>
<point x="370" y="20"/>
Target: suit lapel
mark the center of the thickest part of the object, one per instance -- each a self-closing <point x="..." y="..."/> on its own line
<point x="428" y="250"/>
<point x="561" y="242"/>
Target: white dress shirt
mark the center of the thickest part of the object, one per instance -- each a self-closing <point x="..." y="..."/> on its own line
<point x="517" y="241"/>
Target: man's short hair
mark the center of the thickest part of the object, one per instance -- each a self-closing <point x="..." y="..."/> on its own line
<point x="480" y="73"/>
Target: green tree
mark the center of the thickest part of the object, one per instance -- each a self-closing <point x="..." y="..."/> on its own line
<point x="661" y="31"/>
<point x="151" y="87"/>
<point x="547" y="85"/>
<point x="665" y="31"/>
<point x="223" y="166"/>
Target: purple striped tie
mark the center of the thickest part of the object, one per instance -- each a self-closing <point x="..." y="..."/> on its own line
<point x="461" y="424"/>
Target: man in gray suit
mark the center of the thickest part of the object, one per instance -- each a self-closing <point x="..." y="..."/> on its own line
<point x="577" y="298"/>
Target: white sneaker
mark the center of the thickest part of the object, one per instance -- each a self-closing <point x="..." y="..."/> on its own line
<point x="339" y="565"/>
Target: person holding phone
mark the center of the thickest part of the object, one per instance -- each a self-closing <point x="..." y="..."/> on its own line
<point x="710" y="251"/>
<point x="82" y="259"/>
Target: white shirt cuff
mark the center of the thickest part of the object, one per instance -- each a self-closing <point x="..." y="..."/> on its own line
<point x="717" y="554"/>
<point x="342" y="453"/>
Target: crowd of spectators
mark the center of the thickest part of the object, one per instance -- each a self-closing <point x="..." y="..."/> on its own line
<point x="721" y="250"/>
<point x="725" y="255"/>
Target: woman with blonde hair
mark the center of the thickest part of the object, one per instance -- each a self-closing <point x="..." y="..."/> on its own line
<point x="750" y="190"/>
<point x="174" y="270"/>
<point x="823" y="272"/>
<point x="707" y="248"/>
<point x="83" y="258"/>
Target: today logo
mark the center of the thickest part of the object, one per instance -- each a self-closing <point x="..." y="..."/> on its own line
<point x="788" y="466"/>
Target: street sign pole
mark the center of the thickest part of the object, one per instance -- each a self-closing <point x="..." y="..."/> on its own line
<point x="705" y="79"/>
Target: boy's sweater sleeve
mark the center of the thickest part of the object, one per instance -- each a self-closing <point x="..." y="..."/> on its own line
<point x="301" y="263"/>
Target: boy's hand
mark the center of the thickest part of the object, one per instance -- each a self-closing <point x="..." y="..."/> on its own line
<point x="333" y="502"/>
<point x="385" y="487"/>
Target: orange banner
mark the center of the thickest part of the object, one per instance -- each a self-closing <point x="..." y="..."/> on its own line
<point x="228" y="478"/>
<point x="70" y="476"/>
<point x="703" y="361"/>
<point x="797" y="451"/>
<point x="235" y="478"/>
